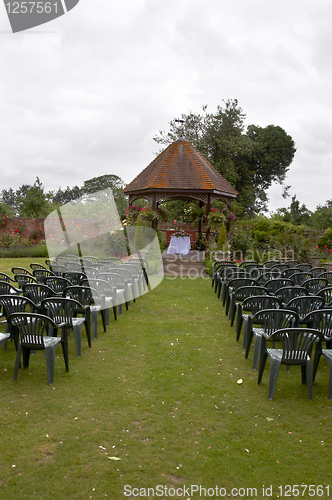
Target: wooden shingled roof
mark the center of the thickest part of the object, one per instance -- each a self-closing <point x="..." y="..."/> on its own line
<point x="180" y="169"/>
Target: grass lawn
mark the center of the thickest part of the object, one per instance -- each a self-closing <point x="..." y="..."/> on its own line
<point x="155" y="401"/>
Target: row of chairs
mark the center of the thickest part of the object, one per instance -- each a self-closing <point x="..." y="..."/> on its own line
<point x="279" y="308"/>
<point x="36" y="304"/>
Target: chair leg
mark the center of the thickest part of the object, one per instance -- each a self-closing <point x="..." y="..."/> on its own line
<point x="309" y="378"/>
<point x="18" y="360"/>
<point x="49" y="354"/>
<point x="257" y="349"/>
<point x="262" y="363"/>
<point x="274" y="370"/>
<point x="328" y="356"/>
<point x="78" y="339"/>
<point x="239" y="322"/>
<point x="64" y="345"/>
<point x="249" y="337"/>
<point x="94" y="322"/>
<point x="318" y="353"/>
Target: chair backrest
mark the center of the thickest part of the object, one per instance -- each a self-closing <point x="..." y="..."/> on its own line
<point x="268" y="275"/>
<point x="61" y="309"/>
<point x="275" y="319"/>
<point x="37" y="292"/>
<point x="304" y="305"/>
<point x="236" y="283"/>
<point x="21" y="270"/>
<point x="22" y="279"/>
<point x="317" y="271"/>
<point x="102" y="286"/>
<point x="326" y="293"/>
<point x="296" y="343"/>
<point x="287" y="273"/>
<point x="62" y="260"/>
<point x="270" y="263"/>
<point x="321" y="320"/>
<point x="58" y="269"/>
<point x="75" y="277"/>
<point x="280" y="266"/>
<point x="259" y="302"/>
<point x="74" y="267"/>
<point x="275" y="283"/>
<point x="6" y="277"/>
<point x="300" y="278"/>
<point x="244" y="292"/>
<point x="314" y="285"/>
<point x="7" y="288"/>
<point x="292" y="263"/>
<point x="32" y="328"/>
<point x="36" y="265"/>
<point x="304" y="266"/>
<point x="41" y="274"/>
<point x="113" y="279"/>
<point x="327" y="275"/>
<point x="287" y="293"/>
<point x="57" y="283"/>
<point x="249" y="264"/>
<point x="102" y="266"/>
<point x="15" y="303"/>
<point x="83" y="294"/>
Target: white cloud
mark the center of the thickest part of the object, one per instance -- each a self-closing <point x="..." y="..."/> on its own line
<point x="85" y="94"/>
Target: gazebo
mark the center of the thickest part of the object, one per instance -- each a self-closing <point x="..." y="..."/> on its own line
<point x="180" y="172"/>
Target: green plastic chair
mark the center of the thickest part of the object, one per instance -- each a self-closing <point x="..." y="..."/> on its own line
<point x="296" y="351"/>
<point x="32" y="328"/>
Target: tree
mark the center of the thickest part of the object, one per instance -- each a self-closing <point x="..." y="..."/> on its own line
<point x="321" y="218"/>
<point x="251" y="160"/>
<point x="108" y="181"/>
<point x="31" y="200"/>
<point x="61" y="197"/>
<point x="295" y="214"/>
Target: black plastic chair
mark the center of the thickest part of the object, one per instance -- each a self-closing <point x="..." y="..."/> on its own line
<point x="296" y="351"/>
<point x="7" y="278"/>
<point x="300" y="278"/>
<point x="7" y="288"/>
<point x="91" y="302"/>
<point x="275" y="283"/>
<point x="14" y="304"/>
<point x="37" y="292"/>
<point x="57" y="284"/>
<point x="22" y="279"/>
<point x="251" y="305"/>
<point x="63" y="312"/>
<point x="240" y="295"/>
<point x="104" y="290"/>
<point x="41" y="274"/>
<point x="320" y="320"/>
<point x="304" y="266"/>
<point x="268" y="321"/>
<point x="314" y="285"/>
<point x="21" y="270"/>
<point x="317" y="271"/>
<point x="326" y="293"/>
<point x="304" y="305"/>
<point x="33" y="329"/>
<point x="233" y="286"/>
<point x="287" y="293"/>
<point x="36" y="265"/>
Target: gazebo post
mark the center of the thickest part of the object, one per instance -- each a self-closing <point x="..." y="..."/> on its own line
<point x="155" y="208"/>
<point x="208" y="210"/>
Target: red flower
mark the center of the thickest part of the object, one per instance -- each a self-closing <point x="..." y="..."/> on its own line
<point x="16" y="230"/>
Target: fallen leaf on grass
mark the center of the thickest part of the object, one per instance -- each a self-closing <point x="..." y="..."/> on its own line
<point x="240" y="381"/>
<point x="114" y="458"/>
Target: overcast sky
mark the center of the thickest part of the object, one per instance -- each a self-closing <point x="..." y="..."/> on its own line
<point x="85" y="94"/>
